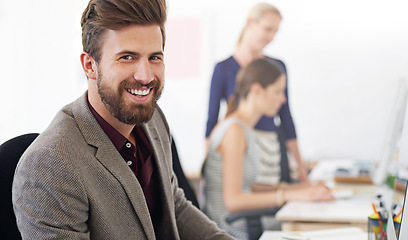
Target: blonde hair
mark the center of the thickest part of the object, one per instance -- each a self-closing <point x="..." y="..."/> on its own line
<point x="257" y="12"/>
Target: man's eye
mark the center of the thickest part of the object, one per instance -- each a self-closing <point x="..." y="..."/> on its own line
<point x="156" y="58"/>
<point x="127" y="57"/>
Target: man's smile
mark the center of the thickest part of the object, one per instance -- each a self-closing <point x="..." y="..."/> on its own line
<point x="140" y="92"/>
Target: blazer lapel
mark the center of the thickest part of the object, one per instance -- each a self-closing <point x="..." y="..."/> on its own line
<point x="110" y="158"/>
<point x="160" y="160"/>
<point x="160" y="142"/>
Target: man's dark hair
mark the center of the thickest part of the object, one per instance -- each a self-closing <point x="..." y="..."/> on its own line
<point x="101" y="15"/>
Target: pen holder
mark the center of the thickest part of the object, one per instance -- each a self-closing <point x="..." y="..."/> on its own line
<point x="376" y="227"/>
<point x="375" y="232"/>
<point x="397" y="225"/>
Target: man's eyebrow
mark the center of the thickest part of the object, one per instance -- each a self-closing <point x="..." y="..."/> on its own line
<point x="126" y="52"/>
<point x="158" y="53"/>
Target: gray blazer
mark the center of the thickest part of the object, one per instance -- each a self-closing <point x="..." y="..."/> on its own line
<point x="72" y="183"/>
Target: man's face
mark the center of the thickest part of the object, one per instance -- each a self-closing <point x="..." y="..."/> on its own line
<point x="130" y="73"/>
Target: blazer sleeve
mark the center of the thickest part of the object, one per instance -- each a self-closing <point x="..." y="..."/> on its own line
<point x="191" y="222"/>
<point x="49" y="202"/>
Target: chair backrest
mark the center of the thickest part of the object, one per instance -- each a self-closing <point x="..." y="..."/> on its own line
<point x="181" y="178"/>
<point x="10" y="153"/>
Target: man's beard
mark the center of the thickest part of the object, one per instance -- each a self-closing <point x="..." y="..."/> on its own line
<point x="136" y="113"/>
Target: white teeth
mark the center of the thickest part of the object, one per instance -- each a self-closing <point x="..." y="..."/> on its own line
<point x="139" y="92"/>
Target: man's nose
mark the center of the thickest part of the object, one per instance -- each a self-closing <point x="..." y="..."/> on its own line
<point x="143" y="72"/>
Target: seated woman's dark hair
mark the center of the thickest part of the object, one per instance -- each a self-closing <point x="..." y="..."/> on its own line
<point x="262" y="70"/>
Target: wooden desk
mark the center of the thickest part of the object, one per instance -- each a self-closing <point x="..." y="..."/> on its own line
<point x="352" y="212"/>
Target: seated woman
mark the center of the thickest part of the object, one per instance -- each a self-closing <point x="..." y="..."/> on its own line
<point x="232" y="164"/>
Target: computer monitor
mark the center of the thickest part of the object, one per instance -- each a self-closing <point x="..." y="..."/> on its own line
<point x="396" y="124"/>
<point x="400" y="193"/>
<point x="403" y="231"/>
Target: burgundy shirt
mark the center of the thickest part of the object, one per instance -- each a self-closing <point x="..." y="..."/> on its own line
<point x="140" y="159"/>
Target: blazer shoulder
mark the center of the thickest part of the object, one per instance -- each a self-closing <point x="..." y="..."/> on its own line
<point x="162" y="118"/>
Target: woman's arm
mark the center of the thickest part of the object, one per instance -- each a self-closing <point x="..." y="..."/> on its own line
<point x="232" y="148"/>
<point x="293" y="148"/>
<point x="216" y="94"/>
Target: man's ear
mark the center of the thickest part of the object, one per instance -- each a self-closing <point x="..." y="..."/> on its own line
<point x="89" y="65"/>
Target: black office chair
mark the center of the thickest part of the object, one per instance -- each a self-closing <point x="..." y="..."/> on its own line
<point x="254" y="225"/>
<point x="10" y="153"/>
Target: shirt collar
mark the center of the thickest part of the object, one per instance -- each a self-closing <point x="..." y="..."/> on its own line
<point x="117" y="139"/>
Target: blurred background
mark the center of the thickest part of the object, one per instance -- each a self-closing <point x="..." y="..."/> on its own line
<point x="345" y="60"/>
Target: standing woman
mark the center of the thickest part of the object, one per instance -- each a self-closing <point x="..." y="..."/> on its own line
<point x="233" y="160"/>
<point x="260" y="29"/>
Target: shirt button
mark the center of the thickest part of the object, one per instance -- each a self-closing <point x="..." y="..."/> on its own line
<point x="129" y="163"/>
<point x="128" y="145"/>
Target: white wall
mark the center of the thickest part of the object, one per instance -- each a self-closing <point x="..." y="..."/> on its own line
<point x="39" y="62"/>
<point x="344" y="59"/>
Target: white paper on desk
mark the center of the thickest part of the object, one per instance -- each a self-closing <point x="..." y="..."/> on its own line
<point x="352" y="233"/>
<point x="346" y="210"/>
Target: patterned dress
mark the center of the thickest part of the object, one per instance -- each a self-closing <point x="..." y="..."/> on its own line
<point x="214" y="200"/>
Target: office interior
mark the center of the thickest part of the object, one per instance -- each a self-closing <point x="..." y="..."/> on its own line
<point x="345" y="59"/>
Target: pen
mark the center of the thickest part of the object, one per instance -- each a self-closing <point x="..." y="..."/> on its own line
<point x="379" y="216"/>
<point x="396" y="216"/>
<point x="375" y="210"/>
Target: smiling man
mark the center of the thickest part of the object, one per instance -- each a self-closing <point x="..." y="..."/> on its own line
<point x="102" y="169"/>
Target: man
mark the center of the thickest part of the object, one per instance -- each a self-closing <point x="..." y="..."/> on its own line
<point x="102" y="169"/>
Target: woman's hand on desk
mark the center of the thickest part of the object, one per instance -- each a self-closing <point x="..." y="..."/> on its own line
<point x="316" y="192"/>
<point x="296" y="192"/>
